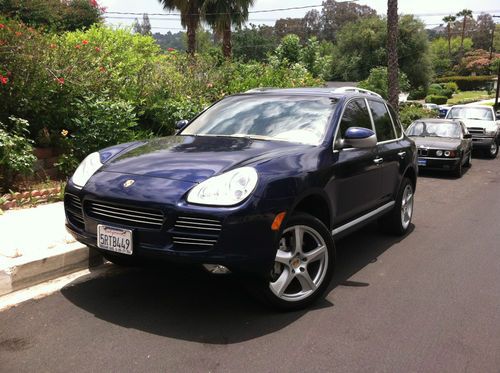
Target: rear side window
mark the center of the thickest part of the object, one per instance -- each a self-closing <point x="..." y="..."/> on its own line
<point x="355" y="115"/>
<point x="395" y="120"/>
<point x="382" y="121"/>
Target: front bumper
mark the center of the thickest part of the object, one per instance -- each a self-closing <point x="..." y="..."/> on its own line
<point x="482" y="142"/>
<point x="435" y="163"/>
<point x="239" y="238"/>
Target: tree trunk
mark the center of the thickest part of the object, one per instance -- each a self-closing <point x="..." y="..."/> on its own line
<point x="191" y="35"/>
<point x="449" y="40"/>
<point x="392" y="52"/>
<point x="463" y="34"/>
<point x="227" y="48"/>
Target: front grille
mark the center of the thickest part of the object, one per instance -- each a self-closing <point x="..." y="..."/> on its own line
<point x="73" y="207"/>
<point x="191" y="232"/>
<point x="476" y="130"/>
<point x="130" y="216"/>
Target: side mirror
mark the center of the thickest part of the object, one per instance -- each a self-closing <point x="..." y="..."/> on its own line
<point x="358" y="137"/>
<point x="467" y="136"/>
<point x="181" y="124"/>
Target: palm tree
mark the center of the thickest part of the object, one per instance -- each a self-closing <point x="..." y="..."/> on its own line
<point x="392" y="52"/>
<point x="222" y="15"/>
<point x="449" y="20"/>
<point x="464" y="13"/>
<point x="190" y="17"/>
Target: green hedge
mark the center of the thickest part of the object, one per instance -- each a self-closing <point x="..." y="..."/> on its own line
<point x="435" y="99"/>
<point x="469" y="83"/>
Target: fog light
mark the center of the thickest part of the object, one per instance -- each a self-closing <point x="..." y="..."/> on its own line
<point x="216" y="269"/>
<point x="439" y="153"/>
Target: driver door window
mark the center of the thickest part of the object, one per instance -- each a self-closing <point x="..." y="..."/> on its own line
<point x="355" y="115"/>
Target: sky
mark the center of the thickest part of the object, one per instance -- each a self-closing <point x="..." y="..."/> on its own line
<point x="430" y="11"/>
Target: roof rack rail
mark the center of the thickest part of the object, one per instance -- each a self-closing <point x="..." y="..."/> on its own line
<point x="355" y="90"/>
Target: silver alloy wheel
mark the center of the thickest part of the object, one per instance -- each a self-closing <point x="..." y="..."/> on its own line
<point x="493" y="148"/>
<point x="301" y="263"/>
<point x="407" y="206"/>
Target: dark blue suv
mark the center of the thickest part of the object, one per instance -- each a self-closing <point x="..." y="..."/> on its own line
<point x="258" y="184"/>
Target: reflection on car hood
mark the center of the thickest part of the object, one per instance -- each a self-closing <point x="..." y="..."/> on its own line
<point x="437" y="142"/>
<point x="196" y="158"/>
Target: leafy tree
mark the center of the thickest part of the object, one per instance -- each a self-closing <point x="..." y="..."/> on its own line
<point x="190" y="17"/>
<point x="143" y="28"/>
<point x="392" y="51"/>
<point x="377" y="82"/>
<point x="466" y="13"/>
<point x="171" y="40"/>
<point x="335" y="15"/>
<point x="254" y="42"/>
<point x="289" y="49"/>
<point x="496" y="40"/>
<point x="442" y="61"/>
<point x="285" y="26"/>
<point x="482" y="35"/>
<point x="55" y="15"/>
<point x="449" y="20"/>
<point x="222" y="15"/>
<point x="361" y="46"/>
<point x="312" y="23"/>
<point x="204" y="40"/>
<point x="476" y="61"/>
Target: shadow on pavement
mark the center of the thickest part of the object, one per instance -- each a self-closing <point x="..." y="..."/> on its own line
<point x="189" y="304"/>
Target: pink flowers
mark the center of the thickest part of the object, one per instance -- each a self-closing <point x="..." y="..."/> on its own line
<point x="2" y="26"/>
<point x="60" y="80"/>
<point x="78" y="46"/>
<point x="3" y="79"/>
<point x="97" y="49"/>
<point x="85" y="42"/>
<point x="171" y="49"/>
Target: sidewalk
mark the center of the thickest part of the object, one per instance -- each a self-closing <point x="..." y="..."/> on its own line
<point x="35" y="247"/>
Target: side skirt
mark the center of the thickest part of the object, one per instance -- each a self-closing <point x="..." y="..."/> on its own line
<point x="363" y="219"/>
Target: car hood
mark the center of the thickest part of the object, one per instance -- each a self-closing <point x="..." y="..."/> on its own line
<point x="196" y="158"/>
<point x="436" y="143"/>
<point x="488" y="125"/>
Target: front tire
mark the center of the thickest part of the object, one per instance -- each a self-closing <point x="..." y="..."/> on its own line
<point x="458" y="171"/>
<point x="398" y="221"/>
<point x="303" y="266"/>
<point x="492" y="152"/>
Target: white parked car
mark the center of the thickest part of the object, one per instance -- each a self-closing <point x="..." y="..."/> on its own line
<point x="483" y="124"/>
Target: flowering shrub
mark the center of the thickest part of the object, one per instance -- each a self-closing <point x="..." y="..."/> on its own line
<point x="91" y="83"/>
<point x="16" y="151"/>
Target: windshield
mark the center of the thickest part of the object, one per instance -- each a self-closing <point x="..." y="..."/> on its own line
<point x="300" y="119"/>
<point x="471" y="113"/>
<point x="434" y="129"/>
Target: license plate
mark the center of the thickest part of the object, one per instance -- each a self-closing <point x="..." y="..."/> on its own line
<point x="422" y="162"/>
<point x="114" y="239"/>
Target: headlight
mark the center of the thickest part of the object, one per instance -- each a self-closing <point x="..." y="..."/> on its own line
<point x="492" y="133"/>
<point x="87" y="168"/>
<point x="439" y="153"/>
<point x="227" y="189"/>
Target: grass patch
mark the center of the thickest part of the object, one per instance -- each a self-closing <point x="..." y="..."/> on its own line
<point x="466" y="97"/>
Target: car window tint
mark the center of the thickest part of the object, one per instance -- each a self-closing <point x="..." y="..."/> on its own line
<point x="355" y="115"/>
<point x="395" y="120"/>
<point x="382" y="120"/>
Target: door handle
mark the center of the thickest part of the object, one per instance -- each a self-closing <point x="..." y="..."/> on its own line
<point x="402" y="154"/>
<point x="378" y="160"/>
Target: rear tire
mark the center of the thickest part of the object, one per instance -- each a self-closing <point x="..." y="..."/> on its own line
<point x="398" y="221"/>
<point x="303" y="267"/>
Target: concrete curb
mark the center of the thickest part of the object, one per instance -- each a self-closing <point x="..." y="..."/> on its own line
<point x="24" y="272"/>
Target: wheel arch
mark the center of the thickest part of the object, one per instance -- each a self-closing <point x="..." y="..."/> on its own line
<point x="317" y="204"/>
<point x="411" y="174"/>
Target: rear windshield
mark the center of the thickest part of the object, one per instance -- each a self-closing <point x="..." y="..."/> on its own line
<point x="299" y="119"/>
<point x="470" y="113"/>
